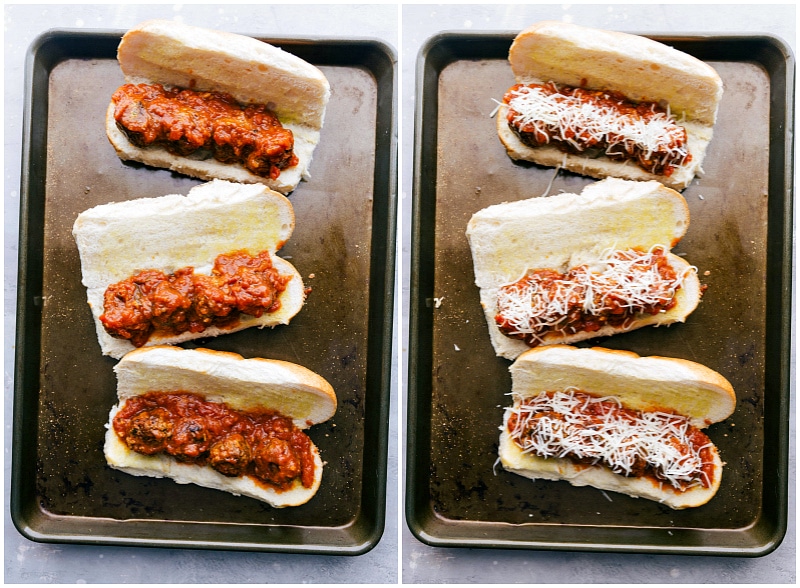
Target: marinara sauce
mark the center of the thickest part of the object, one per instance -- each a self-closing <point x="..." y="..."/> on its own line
<point x="155" y="302"/>
<point x="187" y="122"/>
<point x="603" y="130"/>
<point x="260" y="444"/>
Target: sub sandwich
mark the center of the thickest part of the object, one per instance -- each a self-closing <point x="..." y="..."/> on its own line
<point x="571" y="267"/>
<point x="616" y="421"/>
<point x="220" y="421"/>
<point x="216" y="105"/>
<point x="169" y="269"/>
<point x="608" y="104"/>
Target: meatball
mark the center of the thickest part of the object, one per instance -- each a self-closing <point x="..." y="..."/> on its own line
<point x="190" y="439"/>
<point x="230" y="456"/>
<point x="276" y="462"/>
<point x="148" y="431"/>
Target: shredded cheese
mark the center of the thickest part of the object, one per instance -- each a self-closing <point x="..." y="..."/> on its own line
<point x="575" y="425"/>
<point x="579" y="120"/>
<point x="623" y="285"/>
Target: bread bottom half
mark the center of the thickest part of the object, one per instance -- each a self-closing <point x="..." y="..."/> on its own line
<point x="305" y="141"/>
<point x="688" y="297"/>
<point x="531" y="466"/>
<point x="119" y="457"/>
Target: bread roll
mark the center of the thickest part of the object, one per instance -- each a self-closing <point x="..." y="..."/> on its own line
<point x="641" y="69"/>
<point x="171" y="232"/>
<point x="253" y="72"/>
<point x="221" y="377"/>
<point x="563" y="231"/>
<point x="673" y="385"/>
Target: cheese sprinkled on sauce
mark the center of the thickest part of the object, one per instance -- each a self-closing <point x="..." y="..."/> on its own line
<point x="592" y="430"/>
<point x="577" y="120"/>
<point x="617" y="288"/>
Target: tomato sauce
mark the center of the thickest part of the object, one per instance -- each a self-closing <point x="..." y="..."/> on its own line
<point x="170" y="304"/>
<point x="187" y="122"/>
<point x="260" y="444"/>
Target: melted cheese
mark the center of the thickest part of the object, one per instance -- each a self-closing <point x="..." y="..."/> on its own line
<point x="566" y="424"/>
<point x="567" y="116"/>
<point x="629" y="279"/>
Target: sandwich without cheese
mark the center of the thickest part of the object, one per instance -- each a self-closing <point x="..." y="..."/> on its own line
<point x="570" y="267"/>
<point x="616" y="421"/>
<point x="220" y="421"/>
<point x="608" y="104"/>
<point x="173" y="268"/>
<point x="216" y="105"/>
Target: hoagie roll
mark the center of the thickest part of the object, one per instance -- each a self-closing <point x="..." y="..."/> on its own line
<point x="216" y="105"/>
<point x="571" y="267"/>
<point x="616" y="421"/>
<point x="178" y="267"/>
<point x="220" y="421"/>
<point x="608" y="104"/>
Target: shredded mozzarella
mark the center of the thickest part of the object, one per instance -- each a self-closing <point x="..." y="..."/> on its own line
<point x="627" y="279"/>
<point x="562" y="117"/>
<point x="575" y="425"/>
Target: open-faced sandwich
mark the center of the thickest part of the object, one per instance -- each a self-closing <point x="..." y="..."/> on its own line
<point x="216" y="105"/>
<point x="608" y="104"/>
<point x="616" y="421"/>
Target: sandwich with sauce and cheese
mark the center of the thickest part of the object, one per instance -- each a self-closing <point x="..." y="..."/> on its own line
<point x="571" y="267"/>
<point x="608" y="104"/>
<point x="616" y="421"/>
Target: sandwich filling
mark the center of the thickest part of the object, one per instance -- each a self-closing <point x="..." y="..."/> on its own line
<point x="620" y="287"/>
<point x="592" y="431"/>
<point x="153" y="301"/>
<point x="204" y="124"/>
<point x="260" y="444"/>
<point x="597" y="122"/>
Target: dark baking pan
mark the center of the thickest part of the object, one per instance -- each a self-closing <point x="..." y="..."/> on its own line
<point x="343" y="246"/>
<point x="740" y="239"/>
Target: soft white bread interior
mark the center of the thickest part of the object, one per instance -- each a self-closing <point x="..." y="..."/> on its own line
<point x="253" y="72"/>
<point x="119" y="239"/>
<point x="566" y="230"/>
<point x="640" y="383"/>
<point x="242" y="384"/>
<point x="640" y="68"/>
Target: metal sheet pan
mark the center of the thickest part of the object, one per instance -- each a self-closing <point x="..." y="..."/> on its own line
<point x="739" y="238"/>
<point x="343" y="245"/>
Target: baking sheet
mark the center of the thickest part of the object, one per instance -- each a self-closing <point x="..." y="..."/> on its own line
<point x="343" y="246"/>
<point x="740" y="240"/>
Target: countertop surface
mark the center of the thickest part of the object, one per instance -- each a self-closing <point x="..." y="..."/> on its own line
<point x="399" y="556"/>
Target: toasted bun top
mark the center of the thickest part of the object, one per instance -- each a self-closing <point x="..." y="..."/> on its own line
<point x="642" y="383"/>
<point x="566" y="230"/>
<point x="639" y="68"/>
<point x="292" y="390"/>
<point x="117" y="240"/>
<point x="175" y="54"/>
